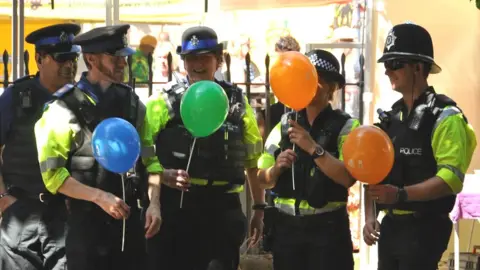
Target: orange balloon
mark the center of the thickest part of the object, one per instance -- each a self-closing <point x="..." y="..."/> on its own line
<point x="294" y="80"/>
<point x="368" y="154"/>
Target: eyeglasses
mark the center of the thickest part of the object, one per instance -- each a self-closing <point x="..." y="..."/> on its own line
<point x="395" y="64"/>
<point x="65" y="57"/>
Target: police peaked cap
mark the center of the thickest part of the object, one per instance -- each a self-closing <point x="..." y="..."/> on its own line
<point x="409" y="41"/>
<point x="108" y="39"/>
<point x="57" y="38"/>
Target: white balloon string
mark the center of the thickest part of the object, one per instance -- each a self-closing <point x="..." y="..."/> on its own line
<point x="188" y="166"/>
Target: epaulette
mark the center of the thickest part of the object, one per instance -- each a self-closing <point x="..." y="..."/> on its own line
<point x="62" y="91"/>
<point x="123" y="85"/>
<point x="67" y="88"/>
<point x="341" y="114"/>
<point x="398" y="104"/>
<point x="443" y="101"/>
<point x="23" y="79"/>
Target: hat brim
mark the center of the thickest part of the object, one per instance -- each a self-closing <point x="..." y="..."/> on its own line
<point x="394" y="56"/>
<point x="332" y="76"/>
<point x="218" y="47"/>
<point x="62" y="49"/>
<point x="125" y="52"/>
<point x="74" y="49"/>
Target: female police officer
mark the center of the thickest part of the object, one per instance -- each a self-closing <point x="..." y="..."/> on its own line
<point x="311" y="226"/>
<point x="207" y="231"/>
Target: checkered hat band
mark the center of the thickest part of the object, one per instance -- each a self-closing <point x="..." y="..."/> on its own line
<point x="322" y="63"/>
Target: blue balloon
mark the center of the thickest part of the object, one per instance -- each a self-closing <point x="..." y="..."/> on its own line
<point x="116" y="145"/>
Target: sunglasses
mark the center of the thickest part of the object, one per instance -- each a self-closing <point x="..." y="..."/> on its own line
<point x="65" y="57"/>
<point x="395" y="64"/>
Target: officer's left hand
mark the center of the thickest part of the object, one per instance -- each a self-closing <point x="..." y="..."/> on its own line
<point x="256" y="227"/>
<point x="153" y="220"/>
<point x="299" y="136"/>
<point x="383" y="194"/>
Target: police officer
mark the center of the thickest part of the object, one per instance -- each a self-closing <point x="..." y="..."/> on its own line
<point x="64" y="133"/>
<point x="309" y="225"/>
<point x="33" y="225"/>
<point x="433" y="148"/>
<point x="207" y="231"/>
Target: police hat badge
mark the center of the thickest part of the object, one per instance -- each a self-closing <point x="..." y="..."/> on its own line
<point x="194" y="41"/>
<point x="63" y="37"/>
<point x="390" y="40"/>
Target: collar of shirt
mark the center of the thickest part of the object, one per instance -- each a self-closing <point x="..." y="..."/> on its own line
<point x="93" y="90"/>
<point x="400" y="104"/>
<point x="41" y="87"/>
<point x="322" y="115"/>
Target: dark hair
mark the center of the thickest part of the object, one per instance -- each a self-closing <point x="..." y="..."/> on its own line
<point x="218" y="55"/>
<point x="286" y="44"/>
<point x="427" y="67"/>
<point x="40" y="53"/>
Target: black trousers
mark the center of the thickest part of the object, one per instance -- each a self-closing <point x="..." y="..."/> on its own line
<point x="413" y="242"/>
<point x="32" y="235"/>
<point x="199" y="238"/>
<point x="94" y="240"/>
<point x="315" y="242"/>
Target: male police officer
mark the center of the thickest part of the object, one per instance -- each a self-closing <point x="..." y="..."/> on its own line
<point x="64" y="147"/>
<point x="33" y="225"/>
<point x="433" y="144"/>
<point x="207" y="231"/>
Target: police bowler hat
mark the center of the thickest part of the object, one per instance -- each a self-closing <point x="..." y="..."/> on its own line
<point x="412" y="42"/>
<point x="199" y="40"/>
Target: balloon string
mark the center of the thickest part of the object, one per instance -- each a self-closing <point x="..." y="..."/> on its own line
<point x="188" y="166"/>
<point x="293" y="164"/>
<point x="124" y="220"/>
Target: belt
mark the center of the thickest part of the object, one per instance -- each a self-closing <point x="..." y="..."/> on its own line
<point x="43" y="197"/>
<point x="205" y="182"/>
<point x="397" y="214"/>
<point x="286" y="207"/>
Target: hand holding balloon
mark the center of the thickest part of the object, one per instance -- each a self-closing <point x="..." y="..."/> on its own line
<point x="285" y="160"/>
<point x="112" y="205"/>
<point x="299" y="136"/>
<point x="384" y="194"/>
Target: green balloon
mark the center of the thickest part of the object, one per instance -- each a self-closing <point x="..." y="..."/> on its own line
<point x="204" y="108"/>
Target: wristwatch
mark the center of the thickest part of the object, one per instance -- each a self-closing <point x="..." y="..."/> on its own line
<point x="319" y="152"/>
<point x="4" y="194"/>
<point x="402" y="195"/>
<point x="259" y="206"/>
